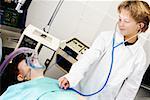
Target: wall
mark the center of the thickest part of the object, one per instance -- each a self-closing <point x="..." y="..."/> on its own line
<point x="83" y="19"/>
<point x="80" y="18"/>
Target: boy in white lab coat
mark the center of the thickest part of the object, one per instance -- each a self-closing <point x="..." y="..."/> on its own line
<point x="91" y="71"/>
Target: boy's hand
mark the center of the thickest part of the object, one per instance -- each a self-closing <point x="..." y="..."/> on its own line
<point x="63" y="83"/>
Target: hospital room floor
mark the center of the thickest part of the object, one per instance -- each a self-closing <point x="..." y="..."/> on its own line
<point x="143" y="94"/>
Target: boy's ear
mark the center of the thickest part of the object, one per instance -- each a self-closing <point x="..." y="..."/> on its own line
<point x="141" y="25"/>
<point x="20" y="77"/>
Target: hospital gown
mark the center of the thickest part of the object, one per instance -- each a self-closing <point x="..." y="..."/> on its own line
<point x="38" y="89"/>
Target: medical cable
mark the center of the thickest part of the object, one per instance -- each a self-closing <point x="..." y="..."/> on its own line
<point x="47" y="27"/>
<point x="112" y="61"/>
<point x="13" y="55"/>
<point x="29" y="60"/>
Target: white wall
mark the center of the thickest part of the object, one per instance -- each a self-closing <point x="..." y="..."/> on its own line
<point x="83" y="19"/>
<point x="76" y="18"/>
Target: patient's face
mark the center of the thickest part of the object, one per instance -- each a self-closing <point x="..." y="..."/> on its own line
<point x="24" y="71"/>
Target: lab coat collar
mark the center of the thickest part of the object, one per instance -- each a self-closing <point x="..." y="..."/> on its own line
<point x="133" y="48"/>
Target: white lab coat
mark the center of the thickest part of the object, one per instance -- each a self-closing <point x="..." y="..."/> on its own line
<point x="90" y="72"/>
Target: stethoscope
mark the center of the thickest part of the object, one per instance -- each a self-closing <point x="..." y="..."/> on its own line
<point x="111" y="65"/>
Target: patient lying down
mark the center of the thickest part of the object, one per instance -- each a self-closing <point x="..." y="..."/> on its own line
<point x="36" y="86"/>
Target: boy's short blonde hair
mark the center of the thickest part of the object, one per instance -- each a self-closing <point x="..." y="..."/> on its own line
<point x="139" y="11"/>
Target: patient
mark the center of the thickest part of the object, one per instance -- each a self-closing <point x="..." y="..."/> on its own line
<point x="34" y="86"/>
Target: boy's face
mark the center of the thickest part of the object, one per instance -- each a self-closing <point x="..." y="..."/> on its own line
<point x="127" y="25"/>
<point x="24" y="71"/>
